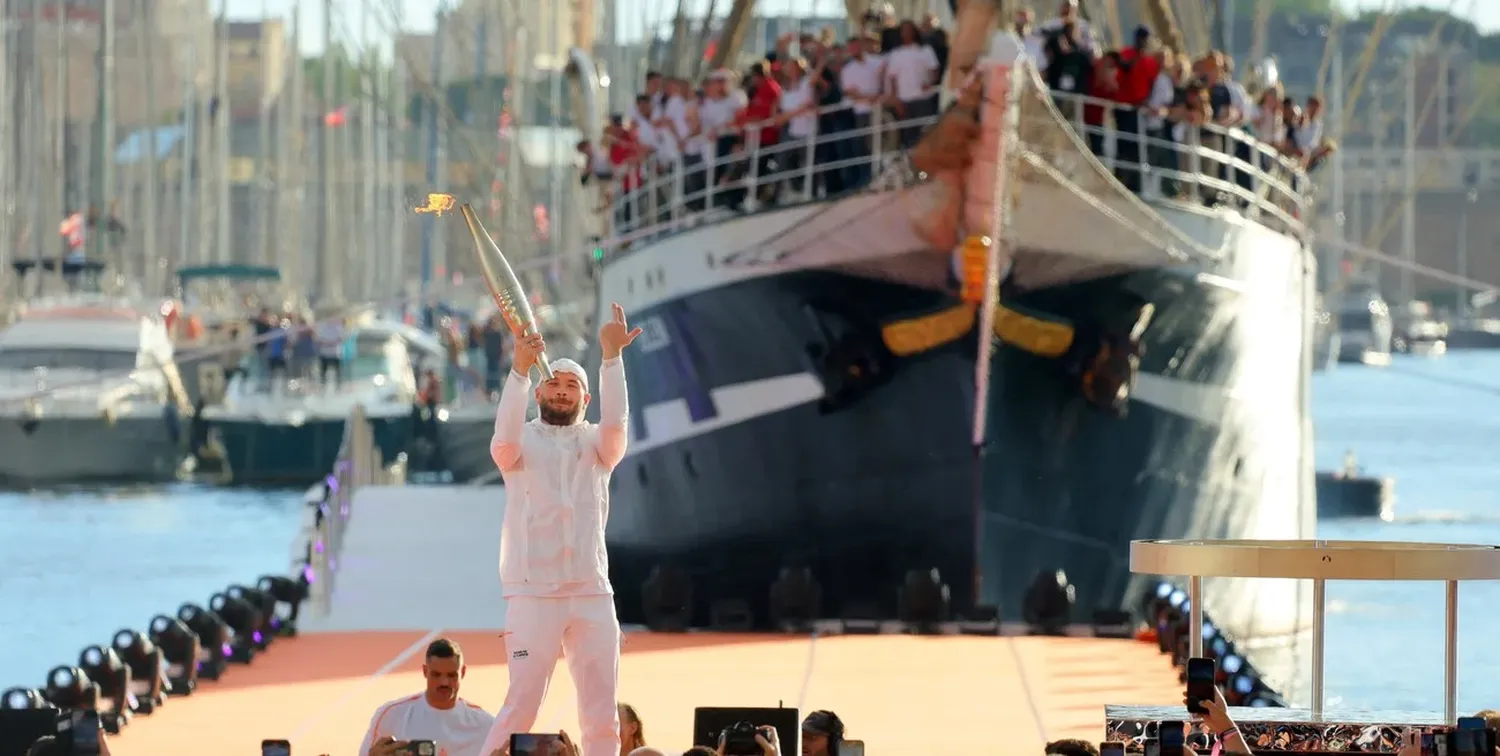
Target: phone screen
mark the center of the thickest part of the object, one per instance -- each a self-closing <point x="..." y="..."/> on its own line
<point x="1112" y="748"/>
<point x="852" y="748"/>
<point x="1151" y="746"/>
<point x="421" y="748"/>
<point x="1471" y="723"/>
<point x="1172" y="738"/>
<point x="536" y="744"/>
<point x="275" y="748"/>
<point x="1468" y="741"/>
<point x="1200" y="683"/>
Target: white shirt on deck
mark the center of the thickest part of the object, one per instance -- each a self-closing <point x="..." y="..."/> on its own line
<point x="795" y="97"/>
<point x="911" y="69"/>
<point x="860" y="77"/>
<point x="458" y="731"/>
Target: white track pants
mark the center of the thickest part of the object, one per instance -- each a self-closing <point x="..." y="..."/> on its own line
<point x="537" y="631"/>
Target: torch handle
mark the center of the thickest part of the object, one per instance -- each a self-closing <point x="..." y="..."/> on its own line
<point x="544" y="365"/>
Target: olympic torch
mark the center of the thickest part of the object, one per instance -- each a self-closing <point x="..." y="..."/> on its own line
<point x="504" y="287"/>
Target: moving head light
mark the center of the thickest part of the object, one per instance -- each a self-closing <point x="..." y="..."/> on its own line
<point x="286" y="591"/>
<point x="23" y="698"/>
<point x="180" y="648"/>
<point x="243" y="621"/>
<point x="105" y="668"/>
<point x="265" y="621"/>
<point x="147" y="669"/>
<point x="213" y="639"/>
<point x="71" y="688"/>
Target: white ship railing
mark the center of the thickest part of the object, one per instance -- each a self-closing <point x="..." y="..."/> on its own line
<point x="1213" y="165"/>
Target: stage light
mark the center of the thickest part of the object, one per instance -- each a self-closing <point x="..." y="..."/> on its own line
<point x="70" y="688"/>
<point x="1231" y="663"/>
<point x="1048" y="604"/>
<point x="244" y="623"/>
<point x="667" y="599"/>
<point x="286" y="591"/>
<point x="23" y="698"/>
<point x="265" y="622"/>
<point x="731" y="616"/>
<point x="923" y="601"/>
<point x="146" y="663"/>
<point x="796" y="599"/>
<point x="180" y="647"/>
<point x="213" y="639"/>
<point x="108" y="671"/>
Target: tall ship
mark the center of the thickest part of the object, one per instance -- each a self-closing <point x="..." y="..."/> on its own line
<point x="1020" y="346"/>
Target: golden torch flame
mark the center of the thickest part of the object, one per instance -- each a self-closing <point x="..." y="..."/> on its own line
<point x="438" y="203"/>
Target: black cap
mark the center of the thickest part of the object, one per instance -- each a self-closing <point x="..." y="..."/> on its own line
<point x="823" y="723"/>
<point x="1142" y="31"/>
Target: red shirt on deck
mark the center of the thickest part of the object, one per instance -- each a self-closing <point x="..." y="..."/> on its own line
<point x="623" y="149"/>
<point x="1139" y="78"/>
<point x="763" y="106"/>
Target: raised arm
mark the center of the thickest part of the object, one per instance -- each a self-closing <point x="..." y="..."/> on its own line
<point x="614" y="412"/>
<point x="614" y="407"/>
<point x="510" y="417"/>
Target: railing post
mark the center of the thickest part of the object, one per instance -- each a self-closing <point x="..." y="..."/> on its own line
<point x="710" y="172"/>
<point x="677" y="187"/>
<point x="810" y="163"/>
<point x="752" y="174"/>
<point x="877" y="138"/>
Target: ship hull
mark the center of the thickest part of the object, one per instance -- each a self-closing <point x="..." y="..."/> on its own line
<point x="265" y="453"/>
<point x="64" y="450"/>
<point x="464" y="441"/>
<point x="741" y="463"/>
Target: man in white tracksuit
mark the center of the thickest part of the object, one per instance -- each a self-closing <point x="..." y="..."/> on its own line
<point x="553" y="564"/>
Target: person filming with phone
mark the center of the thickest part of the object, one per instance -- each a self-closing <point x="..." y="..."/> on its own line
<point x="453" y="726"/>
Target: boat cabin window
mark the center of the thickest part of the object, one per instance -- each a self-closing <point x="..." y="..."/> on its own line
<point x="372" y="355"/>
<point x="102" y="360"/>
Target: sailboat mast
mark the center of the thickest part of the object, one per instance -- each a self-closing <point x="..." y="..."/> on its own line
<point x="151" y="261"/>
<point x="223" y="240"/>
<point x="1409" y="167"/>
<point x="322" y="283"/>
<point x="397" y="118"/>
<point x="7" y="140"/>
<point x="103" y="171"/>
<point x="293" y="258"/>
<point x="733" y="35"/>
<point x="187" y="165"/>
<point x="1336" y="108"/>
<point x="434" y="150"/>
<point x="262" y="191"/>
<point x="367" y="166"/>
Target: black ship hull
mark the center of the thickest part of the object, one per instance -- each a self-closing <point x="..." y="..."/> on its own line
<point x="742" y="462"/>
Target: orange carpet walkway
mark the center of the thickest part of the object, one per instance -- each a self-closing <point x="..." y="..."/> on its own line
<point x="900" y="694"/>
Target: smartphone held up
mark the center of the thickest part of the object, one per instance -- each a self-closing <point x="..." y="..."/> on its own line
<point x="1200" y="683"/>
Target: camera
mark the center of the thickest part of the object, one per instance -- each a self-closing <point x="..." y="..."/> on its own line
<point x="739" y="739"/>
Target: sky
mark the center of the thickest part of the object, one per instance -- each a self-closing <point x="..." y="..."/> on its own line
<point x="633" y="15"/>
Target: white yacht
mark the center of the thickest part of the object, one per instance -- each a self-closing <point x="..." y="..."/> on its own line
<point x="89" y="392"/>
<point x="289" y="431"/>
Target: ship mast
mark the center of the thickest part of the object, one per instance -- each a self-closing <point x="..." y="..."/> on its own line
<point x="732" y="38"/>
<point x="153" y="265"/>
<point x="103" y="170"/>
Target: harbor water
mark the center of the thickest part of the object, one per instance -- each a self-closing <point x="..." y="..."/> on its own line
<point x="75" y="566"/>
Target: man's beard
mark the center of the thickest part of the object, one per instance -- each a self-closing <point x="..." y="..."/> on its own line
<point x="554" y="416"/>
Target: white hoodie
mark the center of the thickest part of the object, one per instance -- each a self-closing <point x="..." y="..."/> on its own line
<point x="557" y="490"/>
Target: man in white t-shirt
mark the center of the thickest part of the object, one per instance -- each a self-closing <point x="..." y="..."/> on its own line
<point x="716" y="123"/>
<point x="911" y="75"/>
<point x="330" y="337"/>
<point x="1067" y="13"/>
<point x="860" y="80"/>
<point x="456" y="727"/>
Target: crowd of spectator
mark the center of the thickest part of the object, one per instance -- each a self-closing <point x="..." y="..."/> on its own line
<point x="794" y="105"/>
<point x="813" y="88"/>
<point x="1153" y="95"/>
<point x="440" y="714"/>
